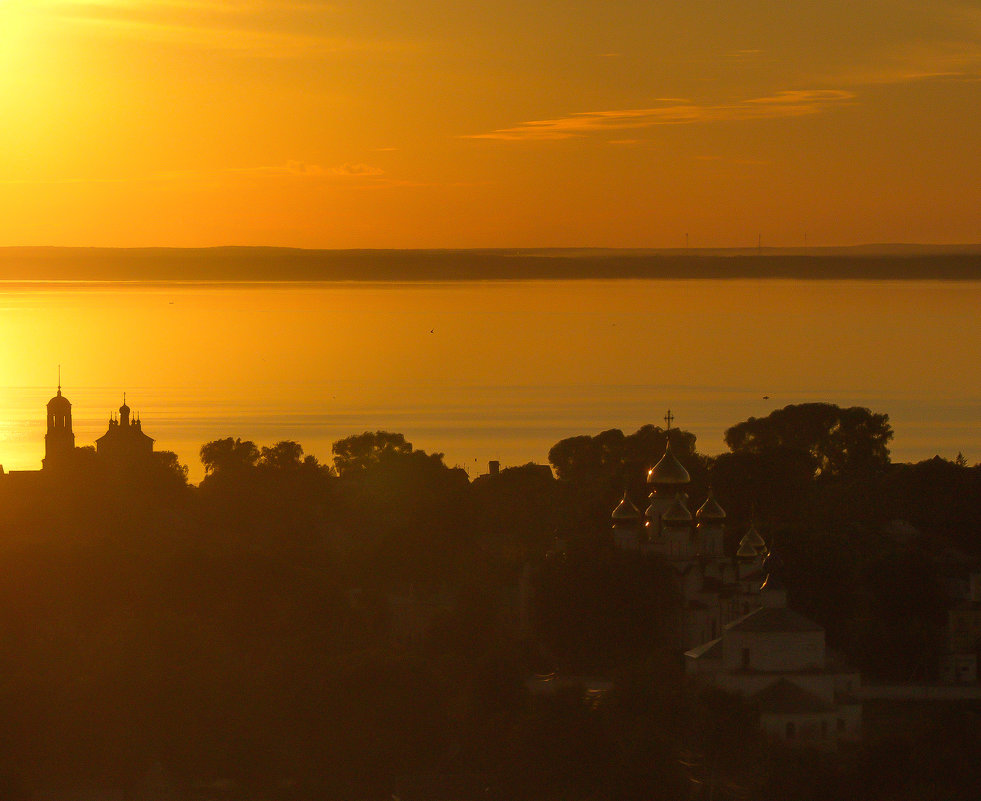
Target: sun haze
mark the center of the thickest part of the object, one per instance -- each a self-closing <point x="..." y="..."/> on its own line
<point x="444" y="124"/>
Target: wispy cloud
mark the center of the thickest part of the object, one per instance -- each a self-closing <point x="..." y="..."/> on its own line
<point x="746" y="54"/>
<point x="349" y="172"/>
<point x="791" y="103"/>
<point x="953" y="53"/>
<point x="937" y="66"/>
<point x="357" y="170"/>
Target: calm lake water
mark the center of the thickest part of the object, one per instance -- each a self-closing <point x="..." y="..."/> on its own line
<point x="486" y="370"/>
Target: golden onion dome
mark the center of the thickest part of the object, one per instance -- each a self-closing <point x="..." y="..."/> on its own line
<point x="677" y="514"/>
<point x="710" y="511"/>
<point x="746" y="551"/>
<point x="753" y="539"/>
<point x="626" y="510"/>
<point x="669" y="470"/>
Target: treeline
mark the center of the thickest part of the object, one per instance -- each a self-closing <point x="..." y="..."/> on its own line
<point x="869" y="546"/>
<point x="294" y="630"/>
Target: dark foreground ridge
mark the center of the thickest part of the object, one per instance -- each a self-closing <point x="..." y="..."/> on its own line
<point x="869" y="262"/>
<point x="382" y="627"/>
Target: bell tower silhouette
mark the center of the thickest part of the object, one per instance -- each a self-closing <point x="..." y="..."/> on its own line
<point x="59" y="441"/>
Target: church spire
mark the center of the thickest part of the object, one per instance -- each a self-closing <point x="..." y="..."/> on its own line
<point x="124" y="412"/>
<point x="59" y="441"/>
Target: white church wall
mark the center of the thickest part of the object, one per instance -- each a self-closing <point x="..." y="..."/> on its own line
<point x="773" y="651"/>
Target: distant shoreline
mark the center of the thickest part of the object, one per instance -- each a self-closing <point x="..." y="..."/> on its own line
<point x="267" y="264"/>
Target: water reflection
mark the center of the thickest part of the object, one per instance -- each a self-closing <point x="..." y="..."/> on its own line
<point x="487" y="370"/>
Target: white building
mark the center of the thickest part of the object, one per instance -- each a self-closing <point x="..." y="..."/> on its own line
<point x="778" y="659"/>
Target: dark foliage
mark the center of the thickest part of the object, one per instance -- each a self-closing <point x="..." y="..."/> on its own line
<point x="836" y="441"/>
<point x="289" y="630"/>
<point x="597" y="610"/>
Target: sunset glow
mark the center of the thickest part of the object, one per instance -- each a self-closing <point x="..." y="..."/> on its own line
<point x="490" y="400"/>
<point x="506" y="124"/>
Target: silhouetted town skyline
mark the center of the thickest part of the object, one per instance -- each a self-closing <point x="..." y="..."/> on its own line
<point x="752" y="596"/>
<point x="342" y="256"/>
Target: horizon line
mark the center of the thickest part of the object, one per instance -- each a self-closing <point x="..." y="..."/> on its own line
<point x="518" y="250"/>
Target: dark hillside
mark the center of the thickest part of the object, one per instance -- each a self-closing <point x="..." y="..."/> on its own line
<point x="287" y="264"/>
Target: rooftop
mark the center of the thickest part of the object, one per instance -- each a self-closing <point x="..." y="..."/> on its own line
<point x="709" y="650"/>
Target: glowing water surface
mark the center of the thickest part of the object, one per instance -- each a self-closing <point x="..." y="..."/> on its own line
<point x="478" y="370"/>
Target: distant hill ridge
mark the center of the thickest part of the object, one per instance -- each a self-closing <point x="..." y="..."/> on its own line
<point x="869" y="262"/>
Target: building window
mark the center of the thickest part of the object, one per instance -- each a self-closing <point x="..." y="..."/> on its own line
<point x="791" y="730"/>
<point x="841" y="724"/>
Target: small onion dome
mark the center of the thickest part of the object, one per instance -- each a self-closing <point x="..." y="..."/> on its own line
<point x="59" y="401"/>
<point x="669" y="470"/>
<point x="626" y="510"/>
<point x="710" y="511"/>
<point x="677" y="514"/>
<point x="753" y="539"/>
<point x="746" y="551"/>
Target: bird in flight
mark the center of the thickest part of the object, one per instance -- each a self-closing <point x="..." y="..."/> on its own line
<point x="766" y="397"/>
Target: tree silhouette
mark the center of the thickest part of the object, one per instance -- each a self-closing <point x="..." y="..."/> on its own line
<point x="837" y="441"/>
<point x="613" y="457"/>
<point x="286" y="455"/>
<point x="229" y="456"/>
<point x="359" y="452"/>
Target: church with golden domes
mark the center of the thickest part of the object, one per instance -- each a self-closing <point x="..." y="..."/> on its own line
<point x="737" y="631"/>
<point x="716" y="589"/>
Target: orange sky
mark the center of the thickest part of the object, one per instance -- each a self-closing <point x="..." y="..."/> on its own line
<point x="442" y="123"/>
